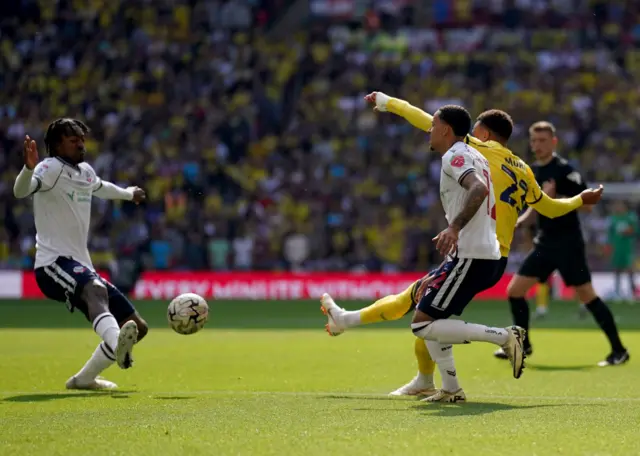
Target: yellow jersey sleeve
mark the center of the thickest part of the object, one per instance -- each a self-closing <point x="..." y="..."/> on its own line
<point x="415" y="116"/>
<point x="420" y="119"/>
<point x="545" y="205"/>
<point x="476" y="143"/>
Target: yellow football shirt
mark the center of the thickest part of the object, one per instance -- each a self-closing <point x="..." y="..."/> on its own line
<point x="514" y="183"/>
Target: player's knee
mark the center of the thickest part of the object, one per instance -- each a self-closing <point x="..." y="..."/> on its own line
<point x="586" y="293"/>
<point x="517" y="288"/>
<point x="96" y="297"/>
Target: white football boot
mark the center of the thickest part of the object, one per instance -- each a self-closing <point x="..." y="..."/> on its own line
<point x="96" y="384"/>
<point x="540" y="313"/>
<point x="126" y="340"/>
<point x="446" y="396"/>
<point x="513" y="349"/>
<point x="418" y="386"/>
<point x="333" y="312"/>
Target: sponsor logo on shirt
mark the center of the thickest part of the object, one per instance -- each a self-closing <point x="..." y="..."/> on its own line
<point x="457" y="161"/>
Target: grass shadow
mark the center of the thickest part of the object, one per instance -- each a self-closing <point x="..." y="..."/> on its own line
<point x="552" y="368"/>
<point x="174" y="398"/>
<point x="444" y="409"/>
<point x="474" y="408"/>
<point x="364" y="397"/>
<point x="45" y="397"/>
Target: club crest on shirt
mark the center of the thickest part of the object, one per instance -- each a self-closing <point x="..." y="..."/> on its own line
<point x="79" y="269"/>
<point x="457" y="161"/>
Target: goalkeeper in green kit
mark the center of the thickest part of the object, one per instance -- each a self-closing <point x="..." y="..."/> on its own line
<point x="623" y="230"/>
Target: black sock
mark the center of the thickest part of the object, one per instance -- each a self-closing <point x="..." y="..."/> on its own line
<point x="520" y="312"/>
<point x="604" y="318"/>
<point x="632" y="283"/>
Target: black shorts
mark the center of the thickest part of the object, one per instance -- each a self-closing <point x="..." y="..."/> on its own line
<point x="64" y="280"/>
<point x="570" y="261"/>
<point x="456" y="284"/>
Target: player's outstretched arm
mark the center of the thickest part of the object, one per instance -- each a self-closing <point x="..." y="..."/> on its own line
<point x="107" y="190"/>
<point x="415" y="116"/>
<point x="552" y="208"/>
<point x="26" y="183"/>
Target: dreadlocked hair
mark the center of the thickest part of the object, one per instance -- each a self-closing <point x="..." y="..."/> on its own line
<point x="62" y="127"/>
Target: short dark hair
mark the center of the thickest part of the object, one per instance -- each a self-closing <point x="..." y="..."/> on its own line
<point x="457" y="118"/>
<point x="543" y="126"/>
<point x="62" y="127"/>
<point x="499" y="122"/>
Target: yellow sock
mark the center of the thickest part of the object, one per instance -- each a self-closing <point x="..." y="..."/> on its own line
<point x="390" y="307"/>
<point x="542" y="296"/>
<point x="426" y="365"/>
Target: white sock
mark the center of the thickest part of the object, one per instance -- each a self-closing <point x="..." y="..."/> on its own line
<point x="459" y="332"/>
<point x="425" y="380"/>
<point x="106" y="326"/>
<point x="102" y="358"/>
<point x="351" y="318"/>
<point x="443" y="356"/>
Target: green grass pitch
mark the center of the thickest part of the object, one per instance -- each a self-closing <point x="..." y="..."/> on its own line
<point x="264" y="378"/>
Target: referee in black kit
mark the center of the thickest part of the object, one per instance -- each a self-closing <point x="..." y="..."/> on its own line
<point x="559" y="245"/>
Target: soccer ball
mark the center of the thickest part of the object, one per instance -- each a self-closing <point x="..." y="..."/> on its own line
<point x="188" y="313"/>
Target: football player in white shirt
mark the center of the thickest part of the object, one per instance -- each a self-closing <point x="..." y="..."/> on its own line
<point x="62" y="186"/>
<point x="473" y="255"/>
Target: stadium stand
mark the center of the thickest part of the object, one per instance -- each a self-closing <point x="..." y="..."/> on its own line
<point x="261" y="154"/>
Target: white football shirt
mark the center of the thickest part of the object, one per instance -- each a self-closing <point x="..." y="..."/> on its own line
<point x="62" y="210"/>
<point x="478" y="238"/>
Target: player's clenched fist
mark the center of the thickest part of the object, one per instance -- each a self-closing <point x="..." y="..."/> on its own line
<point x="378" y="99"/>
<point x="591" y="196"/>
<point x="371" y="98"/>
<point x="139" y="195"/>
<point x="30" y="153"/>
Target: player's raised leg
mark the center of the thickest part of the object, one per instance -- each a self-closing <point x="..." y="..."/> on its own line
<point x="133" y="327"/>
<point x="392" y="307"/>
<point x="96" y="297"/>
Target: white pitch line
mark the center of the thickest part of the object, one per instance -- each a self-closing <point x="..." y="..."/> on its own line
<point x="336" y="394"/>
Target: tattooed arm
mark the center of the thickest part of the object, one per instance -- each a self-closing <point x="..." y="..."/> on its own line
<point x="477" y="191"/>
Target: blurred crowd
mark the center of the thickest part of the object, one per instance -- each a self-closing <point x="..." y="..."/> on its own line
<point x="255" y="146"/>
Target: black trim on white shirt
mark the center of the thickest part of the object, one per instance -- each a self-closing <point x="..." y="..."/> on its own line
<point x="465" y="174"/>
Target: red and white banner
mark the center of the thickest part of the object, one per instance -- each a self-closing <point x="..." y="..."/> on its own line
<point x="282" y="286"/>
<point x="276" y="286"/>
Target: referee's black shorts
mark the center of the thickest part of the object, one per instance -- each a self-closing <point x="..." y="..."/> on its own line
<point x="456" y="284"/>
<point x="569" y="259"/>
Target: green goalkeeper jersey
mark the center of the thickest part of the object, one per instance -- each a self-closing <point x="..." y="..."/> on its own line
<point x="623" y="229"/>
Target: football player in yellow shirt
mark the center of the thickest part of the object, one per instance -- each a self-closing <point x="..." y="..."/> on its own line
<point x="514" y="185"/>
